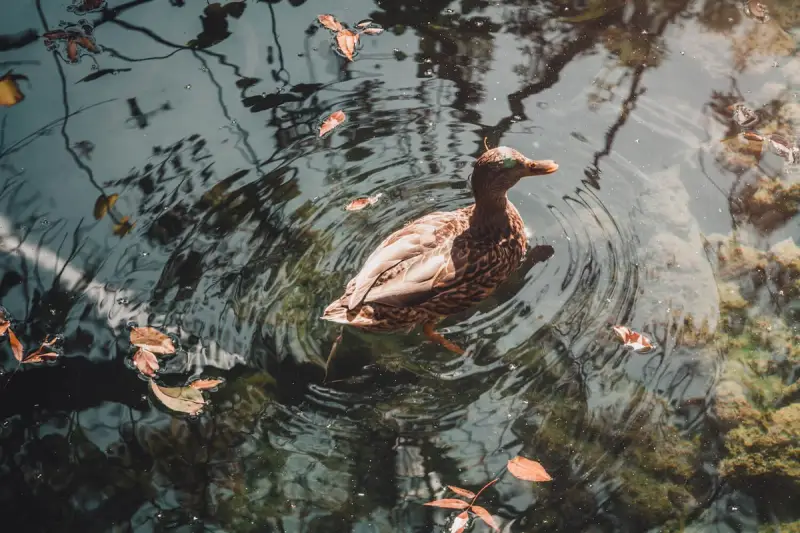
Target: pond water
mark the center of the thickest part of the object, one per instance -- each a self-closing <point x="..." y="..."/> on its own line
<point x="165" y="168"/>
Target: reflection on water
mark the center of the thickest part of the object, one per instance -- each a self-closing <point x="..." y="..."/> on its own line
<point x="165" y="168"/>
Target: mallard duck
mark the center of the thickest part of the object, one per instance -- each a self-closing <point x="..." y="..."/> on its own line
<point x="444" y="262"/>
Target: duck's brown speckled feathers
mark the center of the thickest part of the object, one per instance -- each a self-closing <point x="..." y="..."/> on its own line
<point x="444" y="262"/>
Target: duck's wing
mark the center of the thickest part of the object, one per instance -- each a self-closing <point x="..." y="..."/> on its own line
<point x="418" y="261"/>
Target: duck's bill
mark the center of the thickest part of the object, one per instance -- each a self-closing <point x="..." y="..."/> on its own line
<point x="538" y="168"/>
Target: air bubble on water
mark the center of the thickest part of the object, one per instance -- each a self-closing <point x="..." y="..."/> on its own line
<point x="734" y="508"/>
<point x="45" y="222"/>
<point x="449" y="11"/>
<point x="683" y="52"/>
<point x="775" y="64"/>
<point x="145" y="254"/>
<point x="263" y="95"/>
<point x="188" y="86"/>
<point x="143" y="397"/>
<point x="636" y="141"/>
<point x="123" y="301"/>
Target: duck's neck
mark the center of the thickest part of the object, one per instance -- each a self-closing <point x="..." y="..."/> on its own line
<point x="491" y="210"/>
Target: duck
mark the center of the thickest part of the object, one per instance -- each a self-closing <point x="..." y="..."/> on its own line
<point x="445" y="262"/>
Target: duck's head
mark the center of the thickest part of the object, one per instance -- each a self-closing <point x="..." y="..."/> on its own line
<point x="499" y="169"/>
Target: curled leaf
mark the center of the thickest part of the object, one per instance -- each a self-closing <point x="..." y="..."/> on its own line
<point x="486" y="516"/>
<point x="203" y="384"/>
<point x="460" y="523"/>
<point x="528" y="470"/>
<point x="180" y="399"/>
<point x="41" y="354"/>
<point x="10" y="93"/>
<point x="366" y="23"/>
<point x="374" y="29"/>
<point x="123" y="227"/>
<point x="330" y="22"/>
<point x="4" y="325"/>
<point x="461" y="492"/>
<point x="146" y="362"/>
<point x="346" y="42"/>
<point x="633" y="340"/>
<point x="16" y="346"/>
<point x="449" y="503"/>
<point x="336" y="118"/>
<point x="360" y="203"/>
<point x="152" y="340"/>
<point x="104" y="204"/>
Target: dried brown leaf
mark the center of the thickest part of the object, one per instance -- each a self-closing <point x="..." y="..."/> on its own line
<point x="528" y="470"/>
<point x="336" y="118"/>
<point x="10" y="93"/>
<point x="146" y="362"/>
<point x="104" y="204"/>
<point x="123" y="227"/>
<point x="460" y="523"/>
<point x="152" y="340"/>
<point x="16" y="346"/>
<point x="461" y="492"/>
<point x="360" y="203"/>
<point x="372" y="30"/>
<point x="4" y="325"/>
<point x="330" y="22"/>
<point x="181" y="399"/>
<point x="203" y="384"/>
<point x="346" y="41"/>
<point x="449" y="503"/>
<point x="40" y="354"/>
<point x="633" y="340"/>
<point x="486" y="516"/>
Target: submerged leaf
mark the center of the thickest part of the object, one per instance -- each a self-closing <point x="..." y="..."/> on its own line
<point x="346" y="41"/>
<point x="360" y="203"/>
<point x="528" y="470"/>
<point x="449" y="503"/>
<point x="123" y="227"/>
<point x="203" y="384"/>
<point x="40" y="354"/>
<point x="152" y="340"/>
<point x="486" y="516"/>
<point x="336" y="118"/>
<point x="461" y="492"/>
<point x="16" y="346"/>
<point x="103" y="204"/>
<point x="4" y="325"/>
<point x="459" y="523"/>
<point x="330" y="22"/>
<point x="633" y="340"/>
<point x="181" y="399"/>
<point x="146" y="362"/>
<point x="10" y="93"/>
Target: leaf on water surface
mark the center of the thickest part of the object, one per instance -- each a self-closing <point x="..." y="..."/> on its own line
<point x="10" y="93"/>
<point x="152" y="340"/>
<point x="146" y="362"/>
<point x="123" y="227"/>
<point x="374" y="29"/>
<point x="330" y="22"/>
<point x="204" y="384"/>
<point x="460" y="523"/>
<point x="347" y="40"/>
<point x="486" y="516"/>
<point x="360" y="203"/>
<point x="336" y="118"/>
<point x="528" y="470"/>
<point x="180" y="399"/>
<point x="461" y="492"/>
<point x="103" y="204"/>
<point x="633" y="340"/>
<point x="361" y="24"/>
<point x="743" y="115"/>
<point x="449" y="503"/>
<point x="16" y="346"/>
<point x="4" y="325"/>
<point x="40" y="354"/>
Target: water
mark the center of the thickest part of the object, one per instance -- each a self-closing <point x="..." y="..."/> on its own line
<point x="229" y="232"/>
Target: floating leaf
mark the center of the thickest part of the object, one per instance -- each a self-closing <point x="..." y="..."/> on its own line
<point x="123" y="227"/>
<point x="152" y="340"/>
<point x="40" y="354"/>
<point x="347" y="40"/>
<point x="528" y="470"/>
<point x="203" y="384"/>
<point x="146" y="362"/>
<point x="360" y="203"/>
<point x="486" y="516"/>
<point x="330" y="22"/>
<point x="459" y="523"/>
<point x="373" y="30"/>
<point x="743" y="115"/>
<point x="635" y="341"/>
<point x="10" y="93"/>
<point x="449" y="503"/>
<point x="331" y="122"/>
<point x="4" y="325"/>
<point x="361" y="24"/>
<point x="181" y="399"/>
<point x="16" y="346"/>
<point x="104" y="204"/>
<point x="461" y="492"/>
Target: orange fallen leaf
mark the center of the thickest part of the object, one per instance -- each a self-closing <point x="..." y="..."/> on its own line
<point x="146" y="362"/>
<point x="449" y="503"/>
<point x="460" y="523"/>
<point x="16" y="346"/>
<point x="181" y="399"/>
<point x="103" y="204"/>
<point x="4" y="325"/>
<point x="10" y="93"/>
<point x="347" y="40"/>
<point x="203" y="384"/>
<point x="123" y="227"/>
<point x="336" y="118"/>
<point x="528" y="470"/>
<point x="486" y="516"/>
<point x="461" y="492"/>
<point x="152" y="340"/>
<point x="330" y="22"/>
<point x="374" y="29"/>
<point x="40" y="354"/>
<point x="360" y="203"/>
<point x="635" y="341"/>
